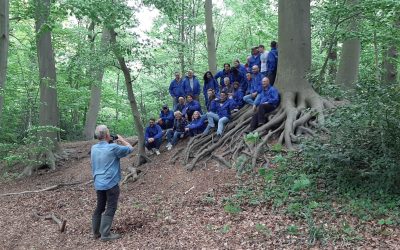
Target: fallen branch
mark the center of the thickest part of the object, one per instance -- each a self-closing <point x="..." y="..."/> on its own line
<point x="60" y="222"/>
<point x="48" y="188"/>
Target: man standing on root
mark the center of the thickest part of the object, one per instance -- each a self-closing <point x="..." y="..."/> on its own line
<point x="106" y="170"/>
<point x="220" y="112"/>
<point x="268" y="101"/>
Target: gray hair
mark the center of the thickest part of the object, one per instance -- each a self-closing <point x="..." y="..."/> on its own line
<point x="177" y="113"/>
<point x="101" y="132"/>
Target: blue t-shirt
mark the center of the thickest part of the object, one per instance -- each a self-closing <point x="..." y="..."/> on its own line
<point x="106" y="168"/>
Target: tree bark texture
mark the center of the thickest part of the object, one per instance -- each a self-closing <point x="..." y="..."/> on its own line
<point x="132" y="100"/>
<point x="48" y="113"/>
<point x="211" y="48"/>
<point x="4" y="42"/>
<point x="95" y="92"/>
<point x="347" y="73"/>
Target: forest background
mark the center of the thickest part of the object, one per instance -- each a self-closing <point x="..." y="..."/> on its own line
<point x="360" y="152"/>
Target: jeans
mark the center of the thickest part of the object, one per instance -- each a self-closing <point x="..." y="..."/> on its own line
<point x="174" y="136"/>
<point x="249" y="99"/>
<point x="174" y="102"/>
<point x="107" y="197"/>
<point x="212" y="117"/>
<point x="155" y="144"/>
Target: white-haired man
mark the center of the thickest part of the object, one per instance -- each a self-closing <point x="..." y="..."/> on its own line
<point x="106" y="171"/>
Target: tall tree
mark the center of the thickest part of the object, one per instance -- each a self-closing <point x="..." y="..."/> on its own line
<point x="294" y="65"/>
<point x="48" y="113"/>
<point x="347" y="73"/>
<point x="95" y="92"/>
<point x="4" y="30"/>
<point x="142" y="158"/>
<point x="211" y="48"/>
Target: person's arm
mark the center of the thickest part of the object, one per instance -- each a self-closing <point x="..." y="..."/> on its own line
<point x="159" y="132"/>
<point x="273" y="96"/>
<point x="171" y="89"/>
<point x="124" y="142"/>
<point x="171" y="116"/>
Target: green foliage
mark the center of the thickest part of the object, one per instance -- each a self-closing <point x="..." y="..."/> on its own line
<point x="30" y="153"/>
<point x="362" y="153"/>
<point x="292" y="229"/>
<point x="232" y="207"/>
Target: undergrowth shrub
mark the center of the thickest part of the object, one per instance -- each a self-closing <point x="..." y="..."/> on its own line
<point x="362" y="151"/>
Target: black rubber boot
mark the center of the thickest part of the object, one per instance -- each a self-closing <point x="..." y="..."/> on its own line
<point x="96" y="220"/>
<point x="105" y="227"/>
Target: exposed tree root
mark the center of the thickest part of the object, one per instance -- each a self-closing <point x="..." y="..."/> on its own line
<point x="299" y="114"/>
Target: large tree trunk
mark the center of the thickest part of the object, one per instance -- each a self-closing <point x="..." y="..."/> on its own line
<point x="350" y="56"/>
<point x="211" y="49"/>
<point x="4" y="30"/>
<point x="95" y="93"/>
<point x="132" y="100"/>
<point x="48" y="113"/>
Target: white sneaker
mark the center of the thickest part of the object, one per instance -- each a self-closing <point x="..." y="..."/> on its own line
<point x="168" y="145"/>
<point x="157" y="152"/>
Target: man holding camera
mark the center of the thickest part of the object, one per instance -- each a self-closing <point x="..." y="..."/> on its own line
<point x="106" y="170"/>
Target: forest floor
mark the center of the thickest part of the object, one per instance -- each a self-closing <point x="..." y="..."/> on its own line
<point x="167" y="208"/>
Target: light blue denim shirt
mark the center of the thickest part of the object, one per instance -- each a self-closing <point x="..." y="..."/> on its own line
<point x="105" y="159"/>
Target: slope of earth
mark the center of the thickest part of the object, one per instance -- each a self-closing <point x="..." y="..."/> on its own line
<point x="167" y="208"/>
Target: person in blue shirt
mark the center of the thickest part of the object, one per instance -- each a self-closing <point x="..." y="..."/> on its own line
<point x="191" y="106"/>
<point x="211" y="97"/>
<point x="153" y="137"/>
<point x="191" y="85"/>
<point x="196" y="126"/>
<point x="106" y="170"/>
<point x="254" y="58"/>
<point x="246" y="84"/>
<point x="176" y="89"/>
<point x="272" y="62"/>
<point x="181" y="104"/>
<point x="221" y="113"/>
<point x="237" y="76"/>
<point x="237" y="96"/>
<point x="268" y="102"/>
<point x="226" y="72"/>
<point x="255" y="86"/>
<point x="240" y="67"/>
<point x="178" y="130"/>
<point x="209" y="83"/>
<point x="166" y="119"/>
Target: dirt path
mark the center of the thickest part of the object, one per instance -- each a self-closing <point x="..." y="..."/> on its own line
<point x="167" y="208"/>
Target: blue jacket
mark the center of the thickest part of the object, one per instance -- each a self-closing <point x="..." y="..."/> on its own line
<point x="196" y="86"/>
<point x="237" y="98"/>
<point x="221" y="75"/>
<point x="192" y="106"/>
<point x="167" y="116"/>
<point x="256" y="83"/>
<point x="270" y="95"/>
<point x="272" y="61"/>
<point x="153" y="132"/>
<point x="105" y="159"/>
<point x="212" y="84"/>
<point x="176" y="89"/>
<point x="222" y="109"/>
<point x="242" y="69"/>
<point x="196" y="126"/>
<point x="180" y="107"/>
<point x="254" y="60"/>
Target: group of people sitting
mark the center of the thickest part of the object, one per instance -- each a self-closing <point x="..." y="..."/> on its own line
<point x="238" y="85"/>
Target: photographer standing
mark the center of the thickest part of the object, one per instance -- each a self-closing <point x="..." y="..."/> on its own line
<point x="106" y="170"/>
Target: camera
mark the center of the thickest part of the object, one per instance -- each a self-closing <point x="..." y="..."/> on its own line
<point x="113" y="138"/>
